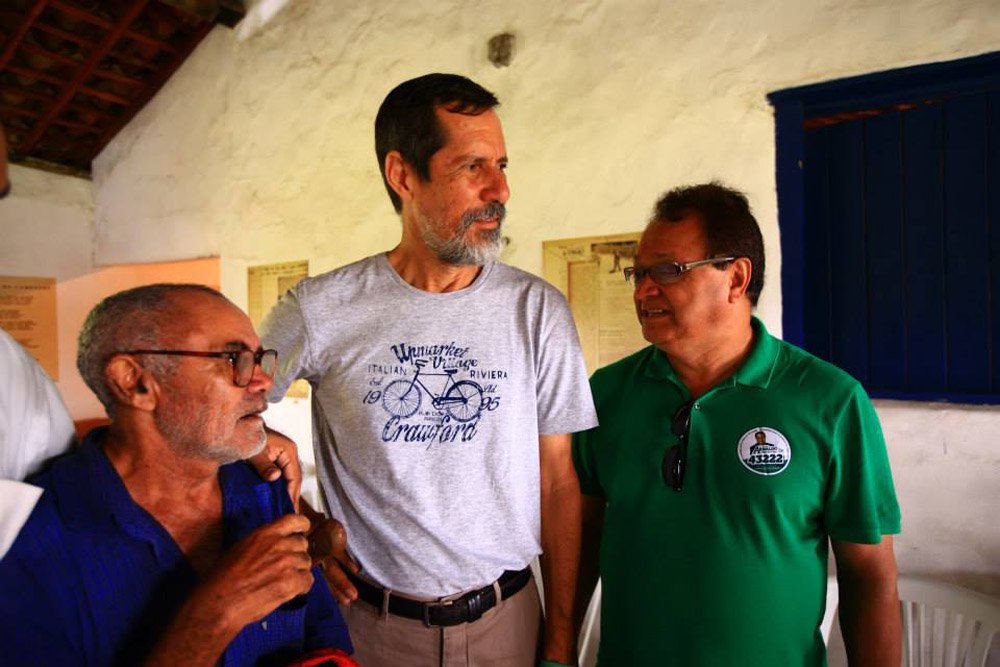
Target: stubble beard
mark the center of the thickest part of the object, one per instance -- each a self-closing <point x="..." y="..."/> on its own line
<point x="185" y="430"/>
<point x="456" y="250"/>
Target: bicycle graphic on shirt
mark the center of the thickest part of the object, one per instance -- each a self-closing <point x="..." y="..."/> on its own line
<point x="462" y="400"/>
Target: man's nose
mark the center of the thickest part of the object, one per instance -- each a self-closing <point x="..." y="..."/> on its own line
<point x="260" y="381"/>
<point x="646" y="286"/>
<point x="496" y="188"/>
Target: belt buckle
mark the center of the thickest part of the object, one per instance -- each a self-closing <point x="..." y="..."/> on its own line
<point x="427" y="612"/>
<point x="474" y="603"/>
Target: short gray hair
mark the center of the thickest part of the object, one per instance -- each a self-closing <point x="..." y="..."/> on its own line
<point x="135" y="318"/>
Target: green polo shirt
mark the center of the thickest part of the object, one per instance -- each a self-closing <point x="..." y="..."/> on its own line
<point x="732" y="569"/>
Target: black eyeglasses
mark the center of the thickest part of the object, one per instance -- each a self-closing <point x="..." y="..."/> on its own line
<point x="675" y="458"/>
<point x="668" y="272"/>
<point x="243" y="361"/>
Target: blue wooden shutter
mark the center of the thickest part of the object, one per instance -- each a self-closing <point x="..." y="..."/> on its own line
<point x="891" y="255"/>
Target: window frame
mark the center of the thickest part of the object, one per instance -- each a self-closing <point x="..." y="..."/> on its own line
<point x="879" y="90"/>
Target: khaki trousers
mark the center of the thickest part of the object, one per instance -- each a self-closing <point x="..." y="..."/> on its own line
<point x="505" y="636"/>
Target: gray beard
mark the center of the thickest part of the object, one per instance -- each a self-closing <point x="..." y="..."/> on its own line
<point x="456" y="250"/>
<point x="180" y="434"/>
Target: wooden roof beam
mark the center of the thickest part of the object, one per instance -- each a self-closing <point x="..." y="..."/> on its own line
<point x="56" y="81"/>
<point x="28" y="113"/>
<point x="21" y="31"/>
<point x="107" y="25"/>
<point x="76" y="108"/>
<point x="157" y="80"/>
<point x="103" y="73"/>
<point x="84" y="71"/>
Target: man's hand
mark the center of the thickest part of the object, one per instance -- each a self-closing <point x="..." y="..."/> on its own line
<point x="328" y="548"/>
<point x="266" y="569"/>
<point x="280" y="457"/>
<point x="269" y="567"/>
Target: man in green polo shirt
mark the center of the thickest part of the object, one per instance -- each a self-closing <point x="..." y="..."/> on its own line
<point x="724" y="461"/>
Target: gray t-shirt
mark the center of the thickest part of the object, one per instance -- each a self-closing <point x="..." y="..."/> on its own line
<point x="426" y="413"/>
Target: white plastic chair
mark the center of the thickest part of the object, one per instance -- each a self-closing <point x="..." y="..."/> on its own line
<point x="832" y="602"/>
<point x="590" y="633"/>
<point x="943" y="625"/>
<point x="946" y="625"/>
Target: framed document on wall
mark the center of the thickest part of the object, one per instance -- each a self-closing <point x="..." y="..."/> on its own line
<point x="28" y="314"/>
<point x="588" y="271"/>
<point x="266" y="283"/>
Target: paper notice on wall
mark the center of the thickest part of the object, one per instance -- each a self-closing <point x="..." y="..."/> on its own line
<point x="588" y="271"/>
<point x="28" y="314"/>
<point x="266" y="284"/>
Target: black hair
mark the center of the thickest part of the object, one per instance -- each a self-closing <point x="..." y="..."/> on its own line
<point x="406" y="121"/>
<point x="730" y="227"/>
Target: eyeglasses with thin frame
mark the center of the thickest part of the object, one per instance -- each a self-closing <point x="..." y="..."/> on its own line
<point x="665" y="273"/>
<point x="675" y="458"/>
<point x="244" y="362"/>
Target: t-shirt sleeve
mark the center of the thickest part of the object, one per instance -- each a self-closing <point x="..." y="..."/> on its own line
<point x="861" y="501"/>
<point x="285" y="330"/>
<point x="564" y="401"/>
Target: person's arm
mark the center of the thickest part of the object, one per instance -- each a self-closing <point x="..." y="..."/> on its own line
<point x="869" y="603"/>
<point x="560" y="505"/>
<point x="328" y="548"/>
<point x="590" y="551"/>
<point x="327" y="536"/>
<point x="266" y="569"/>
<point x="325" y="627"/>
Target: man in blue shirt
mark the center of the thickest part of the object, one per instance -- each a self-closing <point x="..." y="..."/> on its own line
<point x="155" y="542"/>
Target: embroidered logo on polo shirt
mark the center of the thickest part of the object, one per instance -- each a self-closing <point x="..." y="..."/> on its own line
<point x="764" y="451"/>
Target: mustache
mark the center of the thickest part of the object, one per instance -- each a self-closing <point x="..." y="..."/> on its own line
<point x="492" y="210"/>
<point x="255" y="405"/>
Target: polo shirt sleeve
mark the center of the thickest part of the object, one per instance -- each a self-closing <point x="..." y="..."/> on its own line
<point x="285" y="329"/>
<point x="585" y="462"/>
<point x="861" y="503"/>
<point x="586" y="448"/>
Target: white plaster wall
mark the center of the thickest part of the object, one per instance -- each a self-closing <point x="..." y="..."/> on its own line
<point x="260" y="150"/>
<point x="46" y="225"/>
<point x="947" y="464"/>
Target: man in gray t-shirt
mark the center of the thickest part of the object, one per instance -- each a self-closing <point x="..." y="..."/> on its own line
<point x="445" y="387"/>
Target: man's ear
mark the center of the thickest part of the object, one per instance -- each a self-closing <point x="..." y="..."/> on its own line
<point x="740" y="272"/>
<point x="130" y="383"/>
<point x="399" y="174"/>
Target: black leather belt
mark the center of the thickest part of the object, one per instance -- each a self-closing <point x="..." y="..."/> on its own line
<point x="465" y="609"/>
